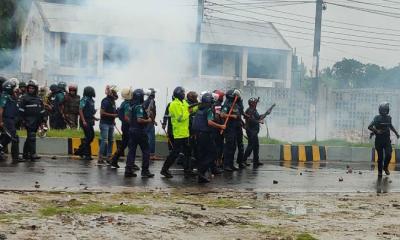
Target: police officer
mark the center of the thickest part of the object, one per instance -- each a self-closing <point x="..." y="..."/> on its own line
<point x="8" y="116"/>
<point x="253" y="121"/>
<point x="381" y="127"/>
<point x="167" y="126"/>
<point x="233" y="131"/>
<point x="179" y="113"/>
<point x="22" y="88"/>
<point x="138" y="120"/>
<point x="203" y="126"/>
<point x="151" y="109"/>
<point x="87" y="120"/>
<point x="218" y="137"/>
<point x="193" y="101"/>
<point x="71" y="106"/>
<point x="56" y="101"/>
<point x="108" y="113"/>
<point x="33" y="114"/>
<point x="126" y="94"/>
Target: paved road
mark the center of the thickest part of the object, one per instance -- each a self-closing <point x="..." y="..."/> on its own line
<point x="65" y="173"/>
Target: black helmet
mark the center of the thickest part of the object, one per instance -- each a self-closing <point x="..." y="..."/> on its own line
<point x="53" y="88"/>
<point x="384" y="108"/>
<point x="152" y="92"/>
<point x="230" y="94"/>
<point x="207" y="98"/>
<point x="2" y="80"/>
<point x="89" y="92"/>
<point x="179" y="92"/>
<point x="22" y="84"/>
<point x="8" y="87"/>
<point x="62" y="86"/>
<point x="253" y="101"/>
<point x="138" y="96"/>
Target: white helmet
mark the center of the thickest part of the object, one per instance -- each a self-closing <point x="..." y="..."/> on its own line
<point x="126" y="93"/>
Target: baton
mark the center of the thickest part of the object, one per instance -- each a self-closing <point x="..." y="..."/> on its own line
<point x="230" y="113"/>
<point x="166" y="134"/>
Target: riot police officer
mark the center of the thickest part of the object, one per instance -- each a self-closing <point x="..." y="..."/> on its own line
<point x="87" y="120"/>
<point x="203" y="126"/>
<point x="151" y="109"/>
<point x="138" y="120"/>
<point x="233" y="133"/>
<point x="56" y="101"/>
<point x="179" y="113"/>
<point x="33" y="114"/>
<point x="8" y="117"/>
<point x="381" y="127"/>
<point x="71" y="106"/>
<point x="126" y="94"/>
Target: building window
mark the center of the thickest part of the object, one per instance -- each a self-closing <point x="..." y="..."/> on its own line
<point x="116" y="51"/>
<point x="220" y="63"/>
<point x="74" y="50"/>
<point x="266" y="66"/>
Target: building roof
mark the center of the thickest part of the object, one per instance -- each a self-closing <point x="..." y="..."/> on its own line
<point x="82" y="20"/>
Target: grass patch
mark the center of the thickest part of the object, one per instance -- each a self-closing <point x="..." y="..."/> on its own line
<point x="305" y="236"/>
<point x="222" y="203"/>
<point x="92" y="208"/>
<point x="8" y="218"/>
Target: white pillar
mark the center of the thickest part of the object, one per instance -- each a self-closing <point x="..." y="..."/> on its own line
<point x="245" y="58"/>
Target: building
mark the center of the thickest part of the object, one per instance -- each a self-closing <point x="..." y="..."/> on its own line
<point x="66" y="42"/>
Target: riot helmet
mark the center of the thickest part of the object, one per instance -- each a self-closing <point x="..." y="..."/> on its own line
<point x="384" y="108"/>
<point x="179" y="93"/>
<point x="89" y="92"/>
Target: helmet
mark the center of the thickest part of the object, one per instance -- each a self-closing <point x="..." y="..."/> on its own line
<point x="72" y="87"/>
<point x="221" y="95"/>
<point x="138" y="96"/>
<point x="8" y="87"/>
<point x="179" y="92"/>
<point x="112" y="90"/>
<point x="89" y="92"/>
<point x="207" y="98"/>
<point x="231" y="94"/>
<point x="384" y="108"/>
<point x="15" y="81"/>
<point x="53" y="88"/>
<point x="31" y="83"/>
<point x="21" y="84"/>
<point x="126" y="93"/>
<point x="43" y="90"/>
<point x="252" y="101"/>
<point x="62" y="86"/>
<point x="192" y="97"/>
<point x="152" y="92"/>
<point x="2" y="80"/>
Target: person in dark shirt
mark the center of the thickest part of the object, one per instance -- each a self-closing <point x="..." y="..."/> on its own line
<point x="381" y="127"/>
<point x="108" y="113"/>
<point x="253" y="121"/>
<point x="151" y="109"/>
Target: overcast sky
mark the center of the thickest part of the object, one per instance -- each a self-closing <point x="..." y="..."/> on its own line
<point x="331" y="49"/>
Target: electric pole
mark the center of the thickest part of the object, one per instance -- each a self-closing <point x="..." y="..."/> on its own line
<point x="200" y="15"/>
<point x="317" y="48"/>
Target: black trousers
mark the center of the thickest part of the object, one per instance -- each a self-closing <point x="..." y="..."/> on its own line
<point x="9" y="124"/>
<point x="85" y="148"/>
<point x="123" y="144"/>
<point x="233" y="138"/>
<point x="30" y="143"/>
<point x="206" y="151"/>
<point x="384" y="149"/>
<point x="138" y="137"/>
<point x="181" y="146"/>
<point x="219" y="145"/>
<point x="57" y="121"/>
<point x="253" y="146"/>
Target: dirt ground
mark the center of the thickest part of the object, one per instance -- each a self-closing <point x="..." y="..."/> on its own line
<point x="137" y="213"/>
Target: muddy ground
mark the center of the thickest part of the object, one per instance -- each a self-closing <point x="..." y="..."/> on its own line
<point x="192" y="213"/>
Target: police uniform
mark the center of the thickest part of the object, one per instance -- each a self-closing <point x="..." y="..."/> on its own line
<point x="167" y="122"/>
<point x="71" y="109"/>
<point x="137" y="137"/>
<point x="205" y="141"/>
<point x="233" y="135"/>
<point x="88" y="108"/>
<point x="252" y="130"/>
<point x="57" y="120"/>
<point x="122" y="110"/>
<point x="32" y="112"/>
<point x="10" y="113"/>
<point x="150" y="106"/>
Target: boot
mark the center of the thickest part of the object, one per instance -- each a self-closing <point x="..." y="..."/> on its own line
<point x="129" y="173"/>
<point x="135" y="167"/>
<point x="147" y="174"/>
<point x="386" y="169"/>
<point x="242" y="165"/>
<point x="35" y="156"/>
<point x="257" y="164"/>
<point x="114" y="163"/>
<point x="202" y="179"/>
<point x="166" y="173"/>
